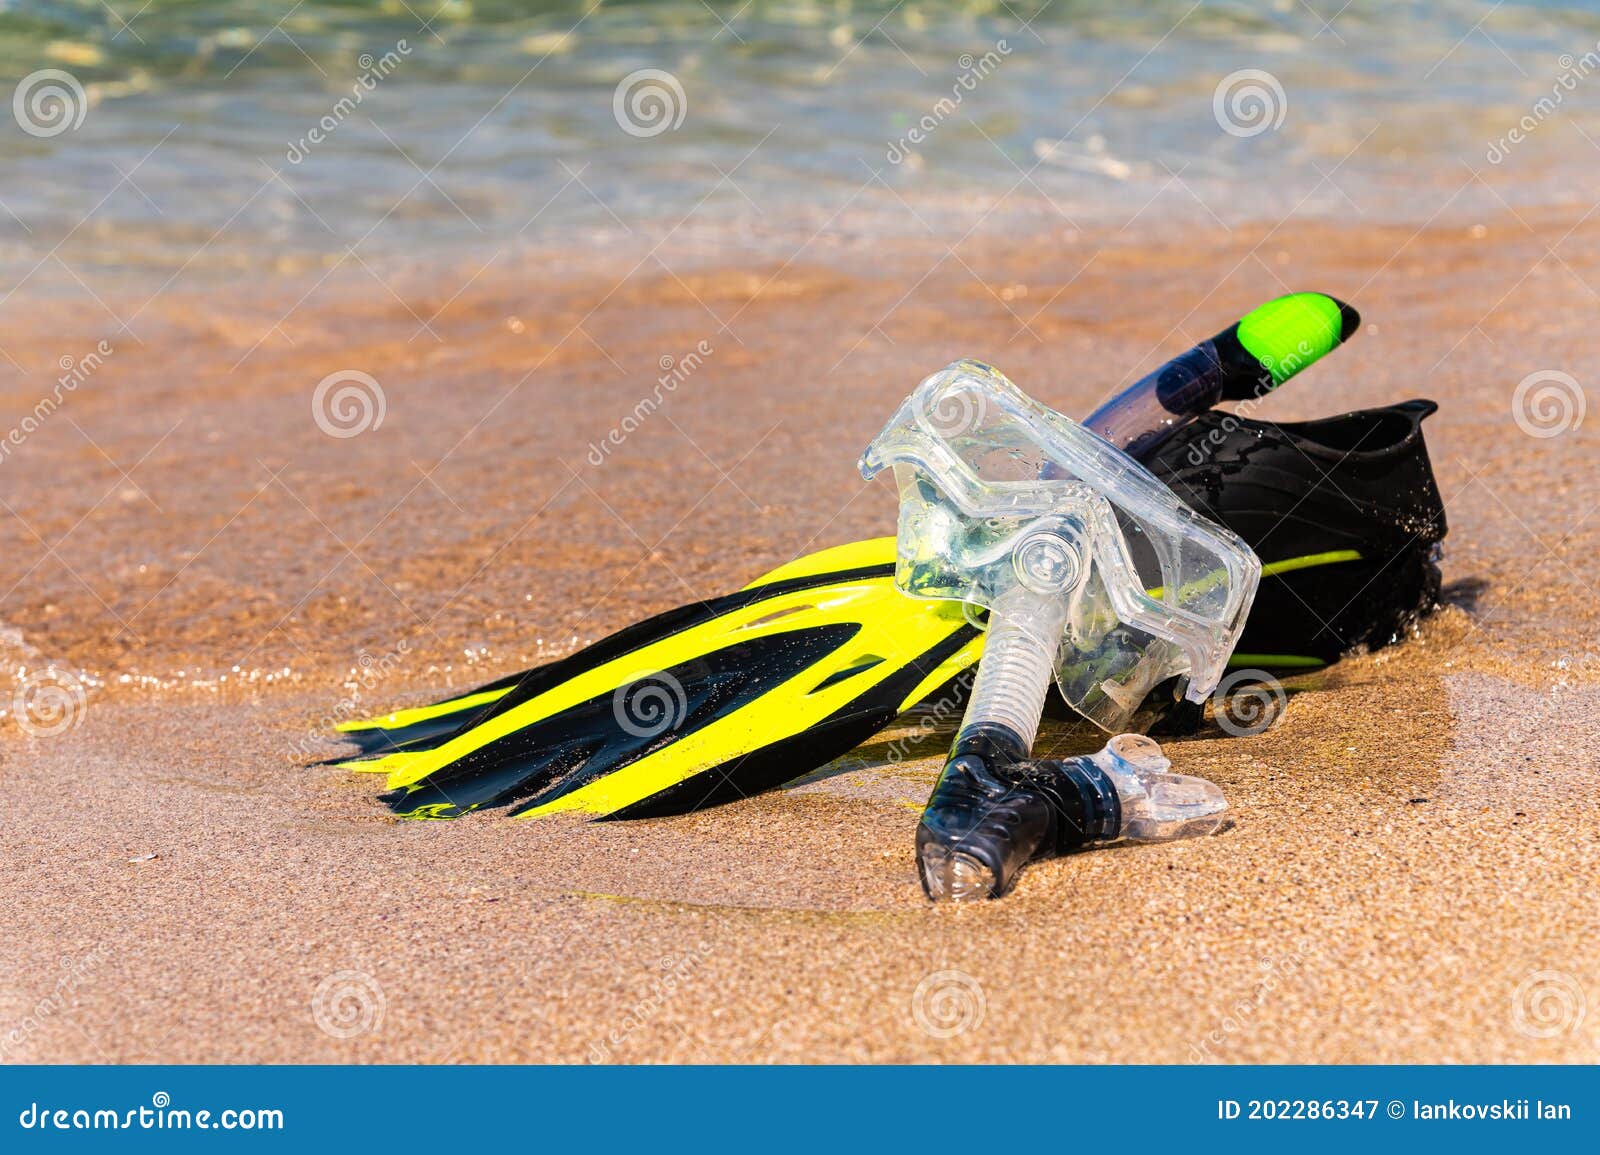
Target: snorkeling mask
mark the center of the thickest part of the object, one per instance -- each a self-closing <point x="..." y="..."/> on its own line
<point x="1006" y="502"/>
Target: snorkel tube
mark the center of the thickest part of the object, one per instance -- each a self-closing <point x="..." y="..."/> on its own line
<point x="1060" y="592"/>
<point x="1244" y="362"/>
<point x="1088" y="565"/>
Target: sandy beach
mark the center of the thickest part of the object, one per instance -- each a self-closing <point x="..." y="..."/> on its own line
<point x="1409" y="875"/>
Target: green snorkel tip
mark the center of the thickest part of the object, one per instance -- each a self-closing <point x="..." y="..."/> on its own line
<point x="1287" y="334"/>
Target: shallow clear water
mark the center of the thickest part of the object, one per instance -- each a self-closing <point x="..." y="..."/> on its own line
<point x="498" y="121"/>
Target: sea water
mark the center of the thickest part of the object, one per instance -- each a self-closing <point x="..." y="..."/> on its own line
<point x="394" y="127"/>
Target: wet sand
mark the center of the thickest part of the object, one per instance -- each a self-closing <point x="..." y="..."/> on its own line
<point x="1411" y="868"/>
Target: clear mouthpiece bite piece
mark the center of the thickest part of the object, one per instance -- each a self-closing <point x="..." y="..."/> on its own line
<point x="1158" y="805"/>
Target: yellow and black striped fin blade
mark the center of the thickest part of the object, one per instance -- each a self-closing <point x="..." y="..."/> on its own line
<point x="768" y="686"/>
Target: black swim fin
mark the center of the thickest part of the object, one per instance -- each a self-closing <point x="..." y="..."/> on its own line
<point x="1344" y="513"/>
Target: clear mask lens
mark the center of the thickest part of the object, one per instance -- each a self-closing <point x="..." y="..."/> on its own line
<point x="999" y="493"/>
